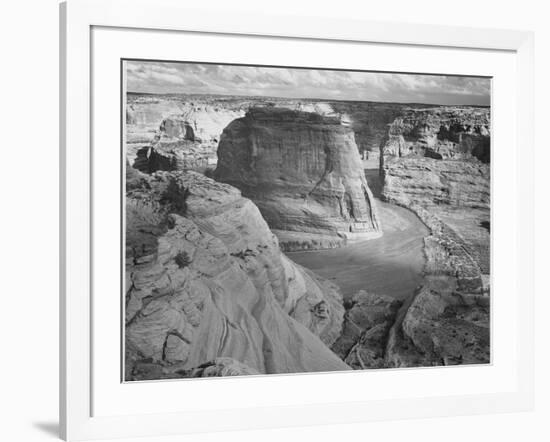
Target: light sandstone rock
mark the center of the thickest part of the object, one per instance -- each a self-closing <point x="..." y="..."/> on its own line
<point x="303" y="171"/>
<point x="175" y="132"/>
<point x="206" y="279"/>
<point x="440" y="132"/>
<point x="431" y="183"/>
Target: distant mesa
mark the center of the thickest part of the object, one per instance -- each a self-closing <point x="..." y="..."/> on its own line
<point x="304" y="172"/>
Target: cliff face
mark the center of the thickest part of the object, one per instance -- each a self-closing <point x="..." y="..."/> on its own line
<point x="435" y="163"/>
<point x="434" y="183"/>
<point x="369" y="121"/>
<point x="205" y="279"/>
<point x="441" y="133"/>
<point x="301" y="169"/>
<point x="176" y="147"/>
<point x="176" y="133"/>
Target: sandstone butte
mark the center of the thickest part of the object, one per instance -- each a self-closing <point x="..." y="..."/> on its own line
<point x="205" y="279"/>
<point x="304" y="172"/>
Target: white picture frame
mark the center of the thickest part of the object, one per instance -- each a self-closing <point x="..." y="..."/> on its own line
<point x="79" y="378"/>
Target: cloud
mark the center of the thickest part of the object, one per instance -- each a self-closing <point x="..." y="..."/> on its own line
<point x="195" y="78"/>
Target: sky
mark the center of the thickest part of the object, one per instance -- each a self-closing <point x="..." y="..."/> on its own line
<point x="194" y="78"/>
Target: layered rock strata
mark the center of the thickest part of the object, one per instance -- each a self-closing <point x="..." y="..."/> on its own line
<point x="176" y="132"/>
<point x="436" y="183"/>
<point x="303" y="171"/>
<point x="175" y="147"/>
<point x="205" y="279"/>
<point x="440" y="133"/>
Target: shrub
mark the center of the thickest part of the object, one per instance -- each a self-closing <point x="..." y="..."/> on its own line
<point x="182" y="259"/>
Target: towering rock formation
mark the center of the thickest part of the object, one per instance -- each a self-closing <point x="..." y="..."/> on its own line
<point x="205" y="279"/>
<point x="304" y="173"/>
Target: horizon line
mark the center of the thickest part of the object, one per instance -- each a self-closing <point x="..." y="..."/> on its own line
<point x="308" y="98"/>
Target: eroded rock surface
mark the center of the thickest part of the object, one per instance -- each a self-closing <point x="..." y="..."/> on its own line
<point x="435" y="163"/>
<point x="205" y="279"/>
<point x="302" y="170"/>
<point x="367" y="324"/>
<point x="176" y="147"/>
<point x="432" y="183"/>
<point x="441" y="327"/>
<point x="175" y="132"/>
<point x="219" y="367"/>
<point x="441" y="133"/>
<point x="440" y="165"/>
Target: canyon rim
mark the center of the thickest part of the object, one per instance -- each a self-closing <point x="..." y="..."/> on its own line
<point x="293" y="220"/>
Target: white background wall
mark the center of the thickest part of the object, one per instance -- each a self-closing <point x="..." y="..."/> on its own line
<point x="29" y="205"/>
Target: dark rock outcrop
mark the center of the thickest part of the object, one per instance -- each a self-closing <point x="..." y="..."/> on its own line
<point x="302" y="170"/>
<point x="367" y="324"/>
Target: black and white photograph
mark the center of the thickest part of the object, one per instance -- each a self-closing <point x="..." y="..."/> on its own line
<point x="284" y="220"/>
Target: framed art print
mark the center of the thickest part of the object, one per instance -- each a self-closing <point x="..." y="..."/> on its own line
<point x="303" y="221"/>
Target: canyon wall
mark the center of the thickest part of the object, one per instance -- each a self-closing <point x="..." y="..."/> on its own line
<point x="304" y="173"/>
<point x="205" y="279"/>
<point x="176" y="132"/>
<point x="440" y="133"/>
<point x="436" y="183"/>
<point x="435" y="163"/>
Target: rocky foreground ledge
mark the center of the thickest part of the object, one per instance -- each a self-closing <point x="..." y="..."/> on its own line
<point x="205" y="279"/>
